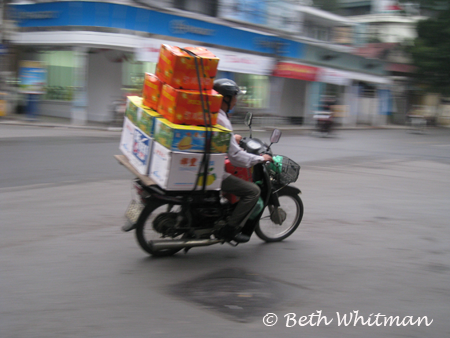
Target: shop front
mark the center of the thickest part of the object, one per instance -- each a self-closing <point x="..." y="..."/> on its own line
<point x="97" y="52"/>
<point x="291" y="87"/>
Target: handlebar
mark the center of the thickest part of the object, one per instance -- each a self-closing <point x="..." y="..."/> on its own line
<point x="254" y="146"/>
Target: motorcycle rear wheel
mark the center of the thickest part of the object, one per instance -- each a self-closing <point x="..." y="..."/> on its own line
<point x="269" y="231"/>
<point x="145" y="232"/>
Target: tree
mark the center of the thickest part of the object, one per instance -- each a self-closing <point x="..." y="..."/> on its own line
<point x="431" y="53"/>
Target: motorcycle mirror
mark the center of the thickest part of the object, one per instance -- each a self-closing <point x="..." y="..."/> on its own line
<point x="275" y="137"/>
<point x="248" y="119"/>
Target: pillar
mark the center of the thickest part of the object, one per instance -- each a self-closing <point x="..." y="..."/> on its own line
<point x="79" y="103"/>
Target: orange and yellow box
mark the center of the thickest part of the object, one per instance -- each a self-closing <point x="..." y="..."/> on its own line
<point x="177" y="67"/>
<point x="185" y="106"/>
<point x="151" y="91"/>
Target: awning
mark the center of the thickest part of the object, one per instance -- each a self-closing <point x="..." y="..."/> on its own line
<point x="344" y="78"/>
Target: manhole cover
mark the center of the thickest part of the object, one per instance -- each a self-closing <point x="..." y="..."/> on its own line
<point x="237" y="293"/>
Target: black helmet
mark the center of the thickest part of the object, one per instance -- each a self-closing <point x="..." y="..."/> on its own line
<point x="226" y="87"/>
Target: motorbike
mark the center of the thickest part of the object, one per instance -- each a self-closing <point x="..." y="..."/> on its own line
<point x="166" y="222"/>
<point x="324" y="122"/>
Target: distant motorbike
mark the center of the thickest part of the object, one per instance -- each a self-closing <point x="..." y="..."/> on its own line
<point x="417" y="123"/>
<point x="166" y="222"/>
<point x="117" y="111"/>
<point x="324" y="122"/>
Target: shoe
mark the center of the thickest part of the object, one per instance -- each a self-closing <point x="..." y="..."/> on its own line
<point x="241" y="238"/>
<point x="230" y="233"/>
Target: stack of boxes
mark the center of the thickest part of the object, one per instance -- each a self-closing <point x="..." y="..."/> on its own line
<point x="164" y="135"/>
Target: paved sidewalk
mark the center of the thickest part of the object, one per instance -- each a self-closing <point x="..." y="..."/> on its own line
<point x="55" y="122"/>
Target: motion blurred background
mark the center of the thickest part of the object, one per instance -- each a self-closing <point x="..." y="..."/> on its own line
<point x="372" y="62"/>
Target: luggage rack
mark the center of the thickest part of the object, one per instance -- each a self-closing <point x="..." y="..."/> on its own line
<point x="124" y="161"/>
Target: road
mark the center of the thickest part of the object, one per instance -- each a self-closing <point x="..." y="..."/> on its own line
<point x="374" y="239"/>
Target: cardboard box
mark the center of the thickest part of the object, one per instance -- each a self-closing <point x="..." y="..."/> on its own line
<point x="151" y="91"/>
<point x="141" y="116"/>
<point x="178" y="137"/>
<point x="178" y="69"/>
<point x="133" y="103"/>
<point x="146" y="120"/>
<point x="126" y="139"/>
<point x="185" y="106"/>
<point x="141" y="151"/>
<point x="179" y="170"/>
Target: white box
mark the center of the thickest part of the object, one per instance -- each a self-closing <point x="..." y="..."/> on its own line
<point x="173" y="170"/>
<point x="141" y="151"/>
<point x="126" y="139"/>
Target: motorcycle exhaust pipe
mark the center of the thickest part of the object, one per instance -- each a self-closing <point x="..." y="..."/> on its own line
<point x="158" y="245"/>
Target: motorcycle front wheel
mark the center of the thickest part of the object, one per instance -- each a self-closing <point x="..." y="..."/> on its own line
<point x="165" y="216"/>
<point x="269" y="231"/>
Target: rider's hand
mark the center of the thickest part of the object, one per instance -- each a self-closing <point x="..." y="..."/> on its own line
<point x="267" y="158"/>
<point x="238" y="138"/>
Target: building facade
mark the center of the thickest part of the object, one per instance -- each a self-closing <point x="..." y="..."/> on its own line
<point x="96" y="51"/>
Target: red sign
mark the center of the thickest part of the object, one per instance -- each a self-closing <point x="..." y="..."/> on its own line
<point x="295" y="71"/>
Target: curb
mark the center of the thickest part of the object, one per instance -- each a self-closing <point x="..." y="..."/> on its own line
<point x="57" y="125"/>
<point x="238" y="127"/>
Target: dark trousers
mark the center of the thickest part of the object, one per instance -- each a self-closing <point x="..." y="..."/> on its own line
<point x="248" y="194"/>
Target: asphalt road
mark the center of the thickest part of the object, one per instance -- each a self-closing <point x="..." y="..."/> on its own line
<point x="374" y="239"/>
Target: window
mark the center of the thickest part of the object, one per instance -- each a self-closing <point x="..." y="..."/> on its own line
<point x="133" y="75"/>
<point x="60" y="74"/>
<point x="257" y="90"/>
<point x="206" y="7"/>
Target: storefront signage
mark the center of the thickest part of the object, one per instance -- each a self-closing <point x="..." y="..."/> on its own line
<point x="230" y="61"/>
<point x="181" y="27"/>
<point x="20" y="16"/>
<point x="333" y="76"/>
<point x="124" y="17"/>
<point x="37" y="15"/>
<point x="295" y="71"/>
<point x="252" y="11"/>
<point x="271" y="45"/>
<point x="33" y="77"/>
<point x="281" y="15"/>
<point x="284" y="16"/>
<point x="243" y="62"/>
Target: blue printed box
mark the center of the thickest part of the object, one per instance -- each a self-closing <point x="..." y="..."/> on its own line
<point x="141" y="151"/>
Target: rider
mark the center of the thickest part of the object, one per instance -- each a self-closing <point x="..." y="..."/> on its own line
<point x="247" y="192"/>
